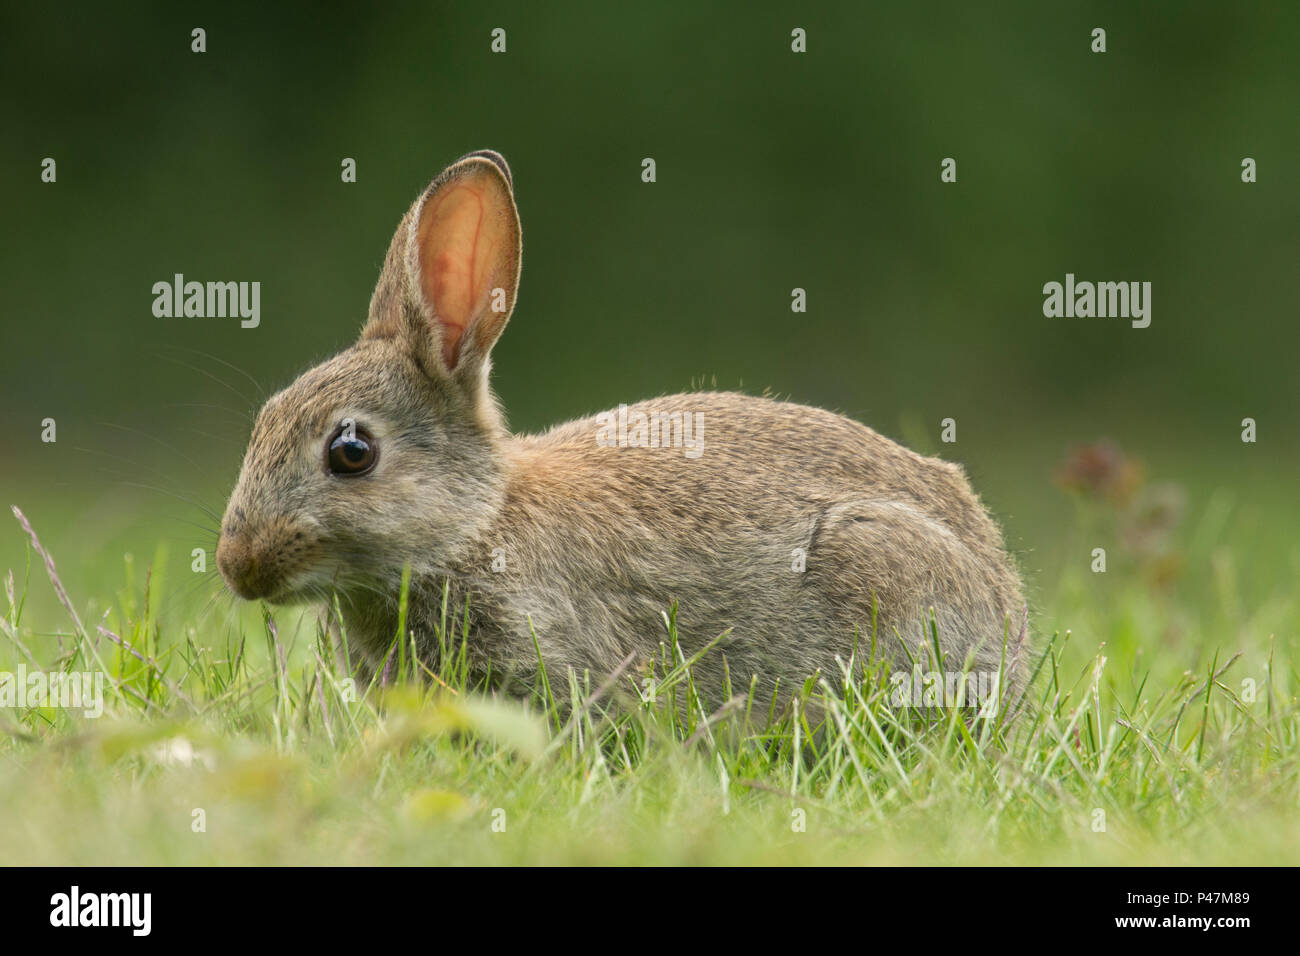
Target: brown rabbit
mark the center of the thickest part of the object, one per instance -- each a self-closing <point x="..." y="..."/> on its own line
<point x="775" y="522"/>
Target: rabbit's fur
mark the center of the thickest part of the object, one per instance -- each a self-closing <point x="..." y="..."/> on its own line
<point x="597" y="540"/>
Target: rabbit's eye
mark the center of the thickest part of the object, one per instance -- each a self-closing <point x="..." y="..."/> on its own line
<point x="351" y="451"/>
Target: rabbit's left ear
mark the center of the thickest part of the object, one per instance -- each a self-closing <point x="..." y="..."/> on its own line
<point x="452" y="272"/>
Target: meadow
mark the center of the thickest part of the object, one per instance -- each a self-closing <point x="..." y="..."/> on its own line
<point x="1161" y="726"/>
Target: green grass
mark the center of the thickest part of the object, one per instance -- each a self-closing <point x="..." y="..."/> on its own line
<point x="1175" y="722"/>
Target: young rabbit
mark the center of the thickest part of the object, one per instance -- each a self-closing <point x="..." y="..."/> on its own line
<point x="775" y="522"/>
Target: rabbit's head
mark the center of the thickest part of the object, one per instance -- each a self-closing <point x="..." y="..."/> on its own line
<point x="392" y="451"/>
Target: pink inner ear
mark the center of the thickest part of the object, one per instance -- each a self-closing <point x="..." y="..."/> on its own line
<point x="454" y="264"/>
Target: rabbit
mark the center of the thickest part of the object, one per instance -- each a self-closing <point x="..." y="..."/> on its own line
<point x="787" y="529"/>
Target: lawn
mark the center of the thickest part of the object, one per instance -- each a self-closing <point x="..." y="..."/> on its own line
<point x="1161" y="727"/>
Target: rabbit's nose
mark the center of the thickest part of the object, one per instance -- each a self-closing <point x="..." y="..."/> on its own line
<point x="241" y="568"/>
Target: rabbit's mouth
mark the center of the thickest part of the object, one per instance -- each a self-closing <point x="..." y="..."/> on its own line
<point x="296" y="589"/>
<point x="275" y="575"/>
<point x="302" y="594"/>
<point x="251" y="584"/>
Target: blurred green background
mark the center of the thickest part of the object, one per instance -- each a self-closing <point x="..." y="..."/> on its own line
<point x="775" y="171"/>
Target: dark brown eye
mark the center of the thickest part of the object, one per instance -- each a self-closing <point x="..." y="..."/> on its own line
<point x="351" y="451"/>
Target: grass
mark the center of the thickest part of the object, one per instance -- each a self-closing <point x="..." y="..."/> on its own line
<point x="242" y="740"/>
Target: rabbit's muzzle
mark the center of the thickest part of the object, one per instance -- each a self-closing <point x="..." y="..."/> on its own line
<point x="245" y="574"/>
<point x="259" y="565"/>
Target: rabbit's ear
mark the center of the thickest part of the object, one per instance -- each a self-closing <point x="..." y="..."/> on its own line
<point x="452" y="272"/>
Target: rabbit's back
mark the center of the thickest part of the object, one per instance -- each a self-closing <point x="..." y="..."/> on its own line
<point x="776" y="450"/>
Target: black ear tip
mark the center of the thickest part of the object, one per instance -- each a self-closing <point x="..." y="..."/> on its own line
<point x="496" y="159"/>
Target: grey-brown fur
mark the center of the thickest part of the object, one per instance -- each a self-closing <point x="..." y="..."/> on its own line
<point x="599" y="541"/>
